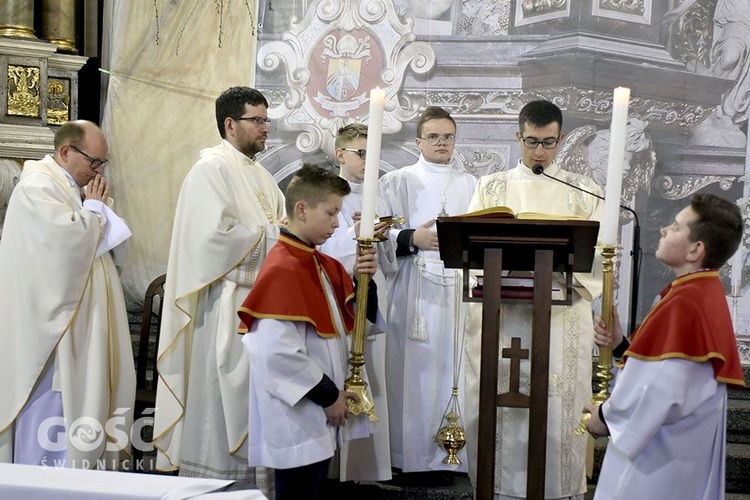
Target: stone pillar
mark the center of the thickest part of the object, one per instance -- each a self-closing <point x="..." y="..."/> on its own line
<point x="17" y="18"/>
<point x="59" y="24"/>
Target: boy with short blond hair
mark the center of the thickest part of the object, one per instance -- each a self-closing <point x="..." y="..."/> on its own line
<point x="296" y="317"/>
<point x="666" y="417"/>
<point x="363" y="459"/>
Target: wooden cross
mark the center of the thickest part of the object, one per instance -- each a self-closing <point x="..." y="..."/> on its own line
<point x="515" y="354"/>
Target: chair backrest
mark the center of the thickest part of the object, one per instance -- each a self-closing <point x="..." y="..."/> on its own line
<point x="149" y="338"/>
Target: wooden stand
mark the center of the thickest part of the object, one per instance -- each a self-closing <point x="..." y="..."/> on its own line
<point x="494" y="245"/>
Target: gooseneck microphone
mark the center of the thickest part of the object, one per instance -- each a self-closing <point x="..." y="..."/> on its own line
<point x="635" y="253"/>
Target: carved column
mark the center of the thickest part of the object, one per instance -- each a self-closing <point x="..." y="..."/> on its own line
<point x="10" y="173"/>
<point x="17" y="18"/>
<point x="59" y="24"/>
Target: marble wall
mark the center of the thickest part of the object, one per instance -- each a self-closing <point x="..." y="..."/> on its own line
<point x="686" y="62"/>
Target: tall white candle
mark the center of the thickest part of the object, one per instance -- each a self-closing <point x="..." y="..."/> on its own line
<point x="611" y="223"/>
<point x="372" y="163"/>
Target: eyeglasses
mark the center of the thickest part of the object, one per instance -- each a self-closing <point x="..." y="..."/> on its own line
<point x="532" y="143"/>
<point x="434" y="139"/>
<point x="95" y="162"/>
<point x="258" y="120"/>
<point x="359" y="152"/>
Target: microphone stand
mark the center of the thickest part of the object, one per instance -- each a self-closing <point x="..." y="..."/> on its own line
<point x="635" y="252"/>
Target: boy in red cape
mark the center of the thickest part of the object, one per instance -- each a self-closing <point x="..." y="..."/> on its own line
<point x="666" y="417"/>
<point x="296" y="317"/>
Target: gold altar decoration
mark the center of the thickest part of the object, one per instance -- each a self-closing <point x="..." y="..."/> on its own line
<point x="355" y="383"/>
<point x="59" y="24"/>
<point x="58" y="101"/>
<point x="603" y="373"/>
<point x="23" y="91"/>
<point x="17" y="19"/>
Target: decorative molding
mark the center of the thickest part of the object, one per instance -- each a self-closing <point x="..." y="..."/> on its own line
<point x="25" y="48"/>
<point x="332" y="58"/>
<point x="479" y="160"/>
<point x="634" y="11"/>
<point x="678" y="187"/>
<point x="537" y="11"/>
<point x="66" y="62"/>
<point x="21" y="141"/>
<point x="691" y="36"/>
<point x="597" y="104"/>
<point x="599" y="44"/>
<point x="485" y="17"/>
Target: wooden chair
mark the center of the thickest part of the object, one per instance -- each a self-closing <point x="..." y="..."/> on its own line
<point x="145" y="395"/>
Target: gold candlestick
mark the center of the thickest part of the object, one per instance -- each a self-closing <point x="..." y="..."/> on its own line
<point x="603" y="373"/>
<point x="355" y="383"/>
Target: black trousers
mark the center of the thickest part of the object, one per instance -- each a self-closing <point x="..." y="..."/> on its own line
<point x="301" y="483"/>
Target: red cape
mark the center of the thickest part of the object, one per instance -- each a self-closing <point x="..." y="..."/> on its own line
<point x="692" y="322"/>
<point x="290" y="287"/>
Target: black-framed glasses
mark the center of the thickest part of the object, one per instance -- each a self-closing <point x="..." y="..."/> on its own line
<point x="359" y="152"/>
<point x="532" y="142"/>
<point x="434" y="139"/>
<point x="95" y="162"/>
<point x="258" y="120"/>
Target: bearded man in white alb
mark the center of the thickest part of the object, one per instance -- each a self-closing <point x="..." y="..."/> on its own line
<point x="67" y="360"/>
<point x="226" y="221"/>
<point x="571" y="327"/>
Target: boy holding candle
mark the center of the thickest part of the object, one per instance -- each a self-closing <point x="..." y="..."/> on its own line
<point x="296" y="317"/>
<point x="571" y="327"/>
<point x="363" y="459"/>
<point x="666" y="417"/>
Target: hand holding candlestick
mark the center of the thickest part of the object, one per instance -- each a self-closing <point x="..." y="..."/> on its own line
<point x="364" y="267"/>
<point x="365" y="254"/>
<point x="609" y="236"/>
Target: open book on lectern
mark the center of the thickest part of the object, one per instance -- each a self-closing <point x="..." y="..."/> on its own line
<point x="501" y="212"/>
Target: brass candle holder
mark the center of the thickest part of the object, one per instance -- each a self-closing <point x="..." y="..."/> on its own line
<point x="603" y="373"/>
<point x="355" y="383"/>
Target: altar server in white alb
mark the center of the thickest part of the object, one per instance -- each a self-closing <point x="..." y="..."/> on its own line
<point x="226" y="221"/>
<point x="667" y="414"/>
<point x="66" y="361"/>
<point x="363" y="459"/>
<point x="425" y="310"/>
<point x="571" y="327"/>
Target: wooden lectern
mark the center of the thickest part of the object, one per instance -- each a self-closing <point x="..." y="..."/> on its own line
<point x="495" y="245"/>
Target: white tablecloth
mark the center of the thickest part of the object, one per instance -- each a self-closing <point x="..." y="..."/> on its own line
<point x="30" y="482"/>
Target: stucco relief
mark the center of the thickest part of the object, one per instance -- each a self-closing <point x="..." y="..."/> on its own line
<point x="634" y="11"/>
<point x="332" y="58"/>
<point x="535" y="11"/>
<point x="485" y="17"/>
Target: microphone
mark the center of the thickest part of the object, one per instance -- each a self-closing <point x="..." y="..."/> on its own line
<point x="635" y="253"/>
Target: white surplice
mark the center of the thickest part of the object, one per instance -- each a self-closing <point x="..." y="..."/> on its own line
<point x="424" y="313"/>
<point x="571" y="343"/>
<point x="365" y="459"/>
<point x="667" y="421"/>
<point x="63" y="314"/>
<point x="224" y="225"/>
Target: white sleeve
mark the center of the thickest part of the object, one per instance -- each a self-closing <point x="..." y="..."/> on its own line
<point x="114" y="230"/>
<point x="278" y="353"/>
<point x="652" y="394"/>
